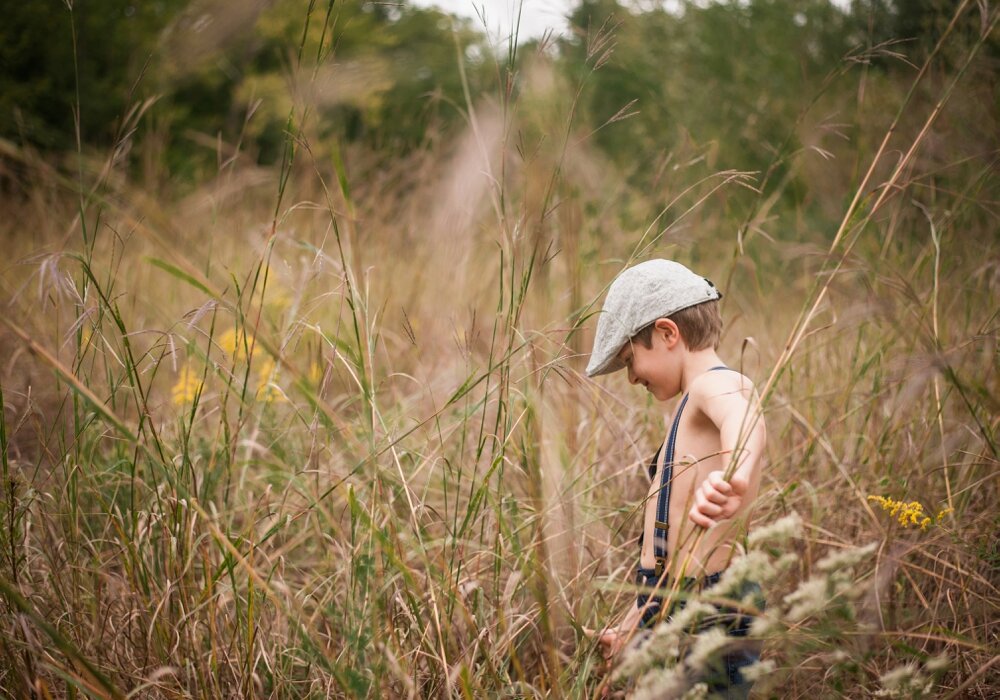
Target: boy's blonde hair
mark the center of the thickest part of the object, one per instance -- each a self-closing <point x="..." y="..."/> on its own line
<point x="700" y="326"/>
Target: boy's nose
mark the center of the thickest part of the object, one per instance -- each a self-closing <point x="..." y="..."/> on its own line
<point x="632" y="379"/>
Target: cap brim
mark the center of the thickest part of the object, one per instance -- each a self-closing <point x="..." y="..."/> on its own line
<point x="609" y="365"/>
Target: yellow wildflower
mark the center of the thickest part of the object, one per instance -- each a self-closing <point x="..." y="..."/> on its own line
<point x="906" y="514"/>
<point x="235" y="344"/>
<point x="943" y="512"/>
<point x="188" y="386"/>
<point x="265" y="368"/>
<point x="315" y="373"/>
<point x="278" y="299"/>
<point x="267" y="391"/>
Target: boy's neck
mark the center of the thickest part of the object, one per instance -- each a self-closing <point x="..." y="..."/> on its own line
<point x="697" y="363"/>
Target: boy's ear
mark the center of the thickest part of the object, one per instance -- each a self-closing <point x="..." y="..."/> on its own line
<point x="668" y="330"/>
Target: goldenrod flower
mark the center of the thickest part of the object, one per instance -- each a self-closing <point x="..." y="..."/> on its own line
<point x="907" y="514"/>
<point x="188" y="386"/>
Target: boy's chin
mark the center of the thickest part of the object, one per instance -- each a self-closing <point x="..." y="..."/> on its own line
<point x="661" y="394"/>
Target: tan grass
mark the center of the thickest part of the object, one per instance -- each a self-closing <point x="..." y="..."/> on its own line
<point x="441" y="508"/>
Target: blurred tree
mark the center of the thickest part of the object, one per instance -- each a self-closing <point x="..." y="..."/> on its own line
<point x="40" y="60"/>
<point x="384" y="73"/>
<point x="914" y="27"/>
<point x="721" y="81"/>
<point x="731" y="77"/>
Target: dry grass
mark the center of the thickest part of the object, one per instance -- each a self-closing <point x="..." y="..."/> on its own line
<point x="401" y="484"/>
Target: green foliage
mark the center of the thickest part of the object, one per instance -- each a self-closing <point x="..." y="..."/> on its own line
<point x="723" y="83"/>
<point x="384" y="74"/>
<point x="723" y="80"/>
<point x="48" y="52"/>
<point x="919" y="23"/>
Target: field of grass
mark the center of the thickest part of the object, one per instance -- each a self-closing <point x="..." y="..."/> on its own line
<point x="322" y="430"/>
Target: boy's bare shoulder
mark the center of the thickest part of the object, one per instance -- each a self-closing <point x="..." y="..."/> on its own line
<point x="721" y="388"/>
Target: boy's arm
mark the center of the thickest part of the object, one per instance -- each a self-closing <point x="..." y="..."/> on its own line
<point x="612" y="639"/>
<point x="735" y="410"/>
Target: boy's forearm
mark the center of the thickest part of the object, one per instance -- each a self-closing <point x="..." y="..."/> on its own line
<point x="631" y="620"/>
<point x="743" y="437"/>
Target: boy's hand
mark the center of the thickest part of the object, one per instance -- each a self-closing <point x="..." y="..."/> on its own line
<point x="715" y="499"/>
<point x="611" y="639"/>
<point x="612" y="642"/>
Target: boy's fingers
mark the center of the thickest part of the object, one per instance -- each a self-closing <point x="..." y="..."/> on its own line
<point x="700" y="520"/>
<point x="709" y="496"/>
<point x="706" y="507"/>
<point x="717" y="479"/>
<point x="610" y="642"/>
<point x="714" y="496"/>
<point x="703" y="522"/>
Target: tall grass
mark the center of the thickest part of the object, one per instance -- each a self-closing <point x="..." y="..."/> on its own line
<point x="324" y="431"/>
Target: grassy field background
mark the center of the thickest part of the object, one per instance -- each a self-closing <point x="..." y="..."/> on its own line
<point x="322" y="429"/>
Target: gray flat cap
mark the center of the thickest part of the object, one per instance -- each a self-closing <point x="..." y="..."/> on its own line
<point x="638" y="296"/>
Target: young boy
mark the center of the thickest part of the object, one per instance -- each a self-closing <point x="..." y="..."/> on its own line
<point x="661" y="323"/>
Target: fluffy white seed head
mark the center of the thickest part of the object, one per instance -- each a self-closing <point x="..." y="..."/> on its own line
<point x="845" y="558"/>
<point x="694" y="611"/>
<point x="651" y="650"/>
<point x="706" y="647"/>
<point x="762" y="625"/>
<point x="758" y="669"/>
<point x="663" y="682"/>
<point x="937" y="663"/>
<point x="780" y="530"/>
<point x="699" y="691"/>
<point x="810" y="597"/>
<point x="753" y="566"/>
<point x="904" y="681"/>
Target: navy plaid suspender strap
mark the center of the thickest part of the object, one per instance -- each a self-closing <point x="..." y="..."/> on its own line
<point x="663" y="498"/>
